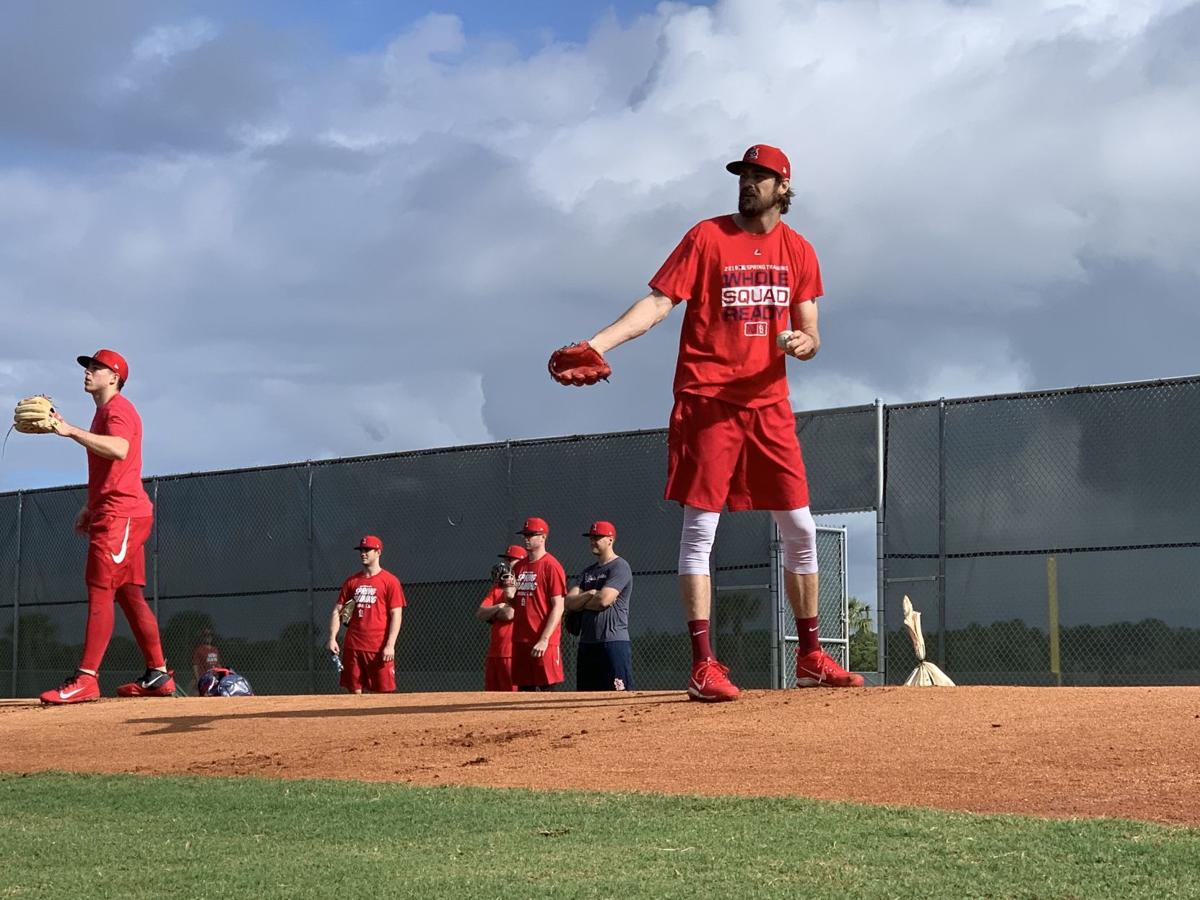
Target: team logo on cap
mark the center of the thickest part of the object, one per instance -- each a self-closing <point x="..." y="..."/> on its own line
<point x="752" y="154"/>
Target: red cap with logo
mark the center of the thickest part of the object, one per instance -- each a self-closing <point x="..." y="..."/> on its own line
<point x="109" y="358"/>
<point x="601" y="529"/>
<point x="534" y="525"/>
<point x="767" y="157"/>
<point x="514" y="551"/>
<point x="369" y="542"/>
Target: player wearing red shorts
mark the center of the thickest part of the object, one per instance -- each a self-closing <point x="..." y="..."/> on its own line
<point x="497" y="610"/>
<point x="369" y="651"/>
<point x="541" y="589"/>
<point x="745" y="279"/>
<point x="117" y="519"/>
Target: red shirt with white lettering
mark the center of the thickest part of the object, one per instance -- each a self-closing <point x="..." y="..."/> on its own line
<point x="205" y="657"/>
<point x="374" y="597"/>
<point x="501" y="642"/>
<point x="537" y="582"/>
<point x="115" y="485"/>
<point x="740" y="289"/>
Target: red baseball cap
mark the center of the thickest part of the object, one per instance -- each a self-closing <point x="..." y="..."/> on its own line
<point x="109" y="358"/>
<point x="601" y="529"/>
<point x="534" y="525"/>
<point x="767" y="157"/>
<point x="369" y="542"/>
<point x="514" y="551"/>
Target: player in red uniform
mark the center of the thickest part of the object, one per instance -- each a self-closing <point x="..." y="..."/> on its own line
<point x="206" y="656"/>
<point x="117" y="519"/>
<point x="369" y="651"/>
<point x="497" y="610"/>
<point x="541" y="589"/>
<point x="745" y="279"/>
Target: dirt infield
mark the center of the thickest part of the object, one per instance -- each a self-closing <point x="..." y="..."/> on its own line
<point x="1127" y="752"/>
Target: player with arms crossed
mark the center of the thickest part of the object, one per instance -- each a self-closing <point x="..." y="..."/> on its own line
<point x="604" y="661"/>
<point x="117" y="520"/>
<point x="371" y="605"/>
<point x="751" y="285"/>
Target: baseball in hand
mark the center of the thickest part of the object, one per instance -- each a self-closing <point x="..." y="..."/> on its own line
<point x="782" y="339"/>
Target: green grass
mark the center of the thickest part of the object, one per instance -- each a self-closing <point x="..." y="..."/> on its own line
<point x="121" y="836"/>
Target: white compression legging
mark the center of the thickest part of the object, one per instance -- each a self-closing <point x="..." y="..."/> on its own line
<point x="796" y="527"/>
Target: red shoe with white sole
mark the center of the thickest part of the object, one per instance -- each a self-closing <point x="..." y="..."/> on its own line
<point x="79" y="688"/>
<point x="818" y="669"/>
<point x="710" y="683"/>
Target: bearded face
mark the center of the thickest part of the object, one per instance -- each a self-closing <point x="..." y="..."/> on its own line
<point x="758" y="190"/>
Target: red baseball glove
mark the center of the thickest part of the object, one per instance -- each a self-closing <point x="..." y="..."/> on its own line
<point x="578" y="364"/>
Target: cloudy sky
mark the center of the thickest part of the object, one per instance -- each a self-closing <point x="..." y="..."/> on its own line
<point x="327" y="229"/>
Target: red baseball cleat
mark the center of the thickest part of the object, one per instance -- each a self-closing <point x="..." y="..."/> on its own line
<point x="710" y="683"/>
<point x="79" y="688"/>
<point x="818" y="668"/>
<point x="153" y="683"/>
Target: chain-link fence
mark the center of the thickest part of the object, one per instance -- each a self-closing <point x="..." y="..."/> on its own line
<point x="1048" y="538"/>
<point x="257" y="555"/>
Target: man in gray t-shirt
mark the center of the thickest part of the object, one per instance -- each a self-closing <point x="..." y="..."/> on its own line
<point x="599" y="607"/>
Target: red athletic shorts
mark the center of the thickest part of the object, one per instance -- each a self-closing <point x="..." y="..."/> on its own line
<point x="497" y="674"/>
<point x="535" y="671"/>
<point x="720" y="455"/>
<point x="116" y="554"/>
<point x="365" y="670"/>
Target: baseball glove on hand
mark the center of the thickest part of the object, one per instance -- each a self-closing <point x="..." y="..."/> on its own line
<point x="35" y="415"/>
<point x="348" y="611"/>
<point x="578" y="364"/>
<point x="500" y="571"/>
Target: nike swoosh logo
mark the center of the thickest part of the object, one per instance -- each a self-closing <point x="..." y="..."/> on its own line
<point x="697" y="633"/>
<point x="812" y="630"/>
<point x="120" y="557"/>
<point x="758" y="253"/>
<point x="67" y="695"/>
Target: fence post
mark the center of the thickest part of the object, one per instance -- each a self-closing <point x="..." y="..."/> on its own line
<point x="512" y="505"/>
<point x="1052" y="615"/>
<point x="16" y="621"/>
<point x="880" y="531"/>
<point x="312" y="622"/>
<point x="154" y="569"/>
<point x="941" y="577"/>
<point x="776" y="591"/>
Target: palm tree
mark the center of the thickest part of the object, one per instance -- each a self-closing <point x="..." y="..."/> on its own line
<point x="864" y="643"/>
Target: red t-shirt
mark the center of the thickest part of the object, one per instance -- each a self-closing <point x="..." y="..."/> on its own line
<point x="115" y="485"/>
<point x="501" y="642"/>
<point x="740" y="290"/>
<point x="205" y="657"/>
<point x="374" y="596"/>
<point x="537" y="582"/>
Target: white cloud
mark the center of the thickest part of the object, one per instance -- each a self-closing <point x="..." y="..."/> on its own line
<point x="164" y="42"/>
<point x="988" y="187"/>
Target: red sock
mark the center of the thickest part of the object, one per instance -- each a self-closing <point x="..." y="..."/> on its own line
<point x="701" y="648"/>
<point x="99" y="627"/>
<point x="142" y="623"/>
<point x="806" y="630"/>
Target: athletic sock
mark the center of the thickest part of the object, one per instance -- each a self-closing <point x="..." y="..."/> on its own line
<point x="806" y="630"/>
<point x="701" y="648"/>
